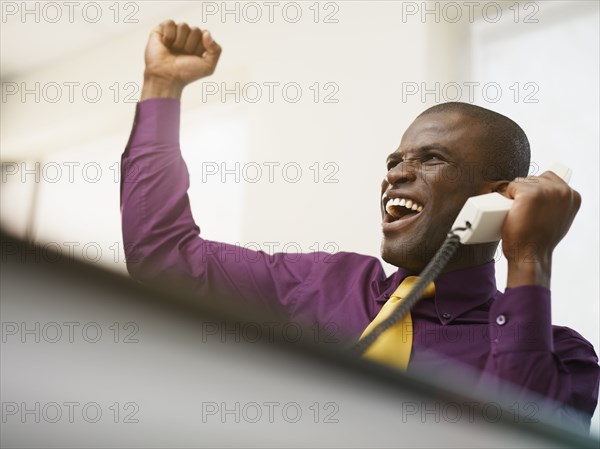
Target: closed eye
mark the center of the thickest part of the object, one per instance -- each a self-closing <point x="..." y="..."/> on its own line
<point x="432" y="157"/>
<point x="429" y="157"/>
<point x="391" y="164"/>
<point x="431" y="154"/>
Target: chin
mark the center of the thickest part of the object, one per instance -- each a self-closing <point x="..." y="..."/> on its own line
<point x="411" y="256"/>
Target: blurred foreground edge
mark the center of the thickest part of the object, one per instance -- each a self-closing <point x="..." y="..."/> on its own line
<point x="196" y="363"/>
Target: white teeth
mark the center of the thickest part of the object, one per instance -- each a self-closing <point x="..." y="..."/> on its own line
<point x="401" y="202"/>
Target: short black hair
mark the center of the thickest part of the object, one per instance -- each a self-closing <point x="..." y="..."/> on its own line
<point x="508" y="147"/>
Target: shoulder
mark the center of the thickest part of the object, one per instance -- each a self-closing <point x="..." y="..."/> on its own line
<point x="581" y="362"/>
<point x="341" y="289"/>
<point x="349" y="267"/>
<point x="571" y="346"/>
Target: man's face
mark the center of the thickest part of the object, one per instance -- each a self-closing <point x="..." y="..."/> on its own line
<point x="439" y="164"/>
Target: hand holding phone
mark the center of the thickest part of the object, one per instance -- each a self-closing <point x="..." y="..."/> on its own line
<point x="482" y="216"/>
<point x="531" y="215"/>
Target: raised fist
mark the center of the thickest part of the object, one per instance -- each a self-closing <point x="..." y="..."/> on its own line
<point x="177" y="55"/>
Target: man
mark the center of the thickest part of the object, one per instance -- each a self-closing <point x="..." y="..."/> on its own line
<point x="448" y="154"/>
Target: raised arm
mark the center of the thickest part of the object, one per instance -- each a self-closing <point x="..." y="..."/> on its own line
<point x="160" y="235"/>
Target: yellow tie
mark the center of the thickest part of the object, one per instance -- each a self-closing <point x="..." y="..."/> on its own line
<point x="394" y="345"/>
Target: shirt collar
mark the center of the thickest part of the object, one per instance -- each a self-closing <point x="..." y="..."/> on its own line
<point x="456" y="292"/>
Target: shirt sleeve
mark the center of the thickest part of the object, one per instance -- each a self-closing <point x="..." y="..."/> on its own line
<point x="535" y="357"/>
<point x="161" y="237"/>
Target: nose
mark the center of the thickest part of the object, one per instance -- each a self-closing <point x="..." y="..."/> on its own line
<point x="402" y="173"/>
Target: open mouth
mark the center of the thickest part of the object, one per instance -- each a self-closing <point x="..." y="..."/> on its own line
<point x="401" y="208"/>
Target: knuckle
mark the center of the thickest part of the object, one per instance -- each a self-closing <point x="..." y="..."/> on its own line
<point x="564" y="191"/>
<point x="577" y="198"/>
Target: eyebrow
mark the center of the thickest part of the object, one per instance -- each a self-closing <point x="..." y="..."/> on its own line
<point x="396" y="155"/>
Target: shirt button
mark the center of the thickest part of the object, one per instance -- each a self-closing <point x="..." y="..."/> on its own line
<point x="500" y="320"/>
<point x="446" y="316"/>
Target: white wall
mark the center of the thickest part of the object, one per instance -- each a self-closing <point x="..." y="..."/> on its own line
<point x="364" y="68"/>
<point x="368" y="54"/>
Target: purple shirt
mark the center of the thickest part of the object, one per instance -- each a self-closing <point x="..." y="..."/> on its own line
<point x="508" y="335"/>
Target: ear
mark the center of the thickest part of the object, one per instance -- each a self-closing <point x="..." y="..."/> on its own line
<point x="498" y="186"/>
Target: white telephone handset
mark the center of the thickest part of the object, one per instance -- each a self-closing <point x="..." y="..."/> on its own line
<point x="483" y="215"/>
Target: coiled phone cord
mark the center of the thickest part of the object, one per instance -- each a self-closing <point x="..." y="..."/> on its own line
<point x="428" y="275"/>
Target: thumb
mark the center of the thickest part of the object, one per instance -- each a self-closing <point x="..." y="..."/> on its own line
<point x="156" y="36"/>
